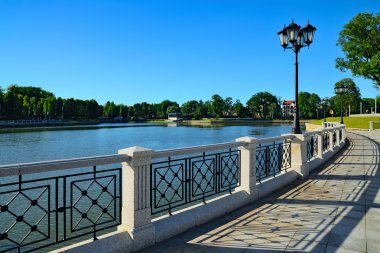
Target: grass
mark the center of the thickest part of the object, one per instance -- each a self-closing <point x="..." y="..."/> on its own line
<point x="351" y="122"/>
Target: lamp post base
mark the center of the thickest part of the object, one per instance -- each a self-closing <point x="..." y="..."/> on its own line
<point x="296" y="130"/>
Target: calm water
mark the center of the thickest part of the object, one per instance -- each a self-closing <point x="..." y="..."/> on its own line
<point x="20" y="147"/>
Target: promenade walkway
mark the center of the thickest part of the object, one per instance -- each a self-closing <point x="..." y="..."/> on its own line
<point x="336" y="209"/>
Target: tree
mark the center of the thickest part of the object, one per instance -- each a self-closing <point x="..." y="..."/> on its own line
<point x="189" y="109"/>
<point x="360" y="42"/>
<point x="350" y="99"/>
<point x="163" y="107"/>
<point x="110" y="110"/>
<point x="173" y="109"/>
<point x="258" y="104"/>
<point x="228" y="106"/>
<point x="308" y="104"/>
<point x="240" y="110"/>
<point x="217" y="106"/>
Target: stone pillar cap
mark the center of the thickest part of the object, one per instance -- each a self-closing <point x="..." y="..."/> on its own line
<point x="136" y="151"/>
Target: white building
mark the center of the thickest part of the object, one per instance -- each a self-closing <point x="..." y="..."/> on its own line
<point x="288" y="108"/>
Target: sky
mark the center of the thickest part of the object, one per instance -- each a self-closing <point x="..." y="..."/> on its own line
<point x="131" y="51"/>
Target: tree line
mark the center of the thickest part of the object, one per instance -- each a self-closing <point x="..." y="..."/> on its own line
<point x="26" y="102"/>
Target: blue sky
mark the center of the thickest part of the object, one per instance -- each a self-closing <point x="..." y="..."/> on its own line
<point x="135" y="50"/>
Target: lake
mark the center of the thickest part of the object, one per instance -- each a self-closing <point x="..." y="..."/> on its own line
<point x="20" y="146"/>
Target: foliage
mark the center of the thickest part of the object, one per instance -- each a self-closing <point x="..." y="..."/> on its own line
<point x="360" y="42"/>
<point x="350" y="100"/>
<point x="261" y="103"/>
<point x="240" y="110"/>
<point x="217" y="106"/>
<point x="308" y="104"/>
<point x="19" y="102"/>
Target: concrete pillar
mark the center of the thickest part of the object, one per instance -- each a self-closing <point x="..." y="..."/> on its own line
<point x="299" y="155"/>
<point x="331" y="138"/>
<point x="248" y="165"/>
<point x="344" y="133"/>
<point x="371" y="126"/>
<point x="320" y="145"/>
<point x="136" y="206"/>
<point x="338" y="140"/>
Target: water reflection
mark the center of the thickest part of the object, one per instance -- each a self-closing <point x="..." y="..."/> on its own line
<point x="20" y="146"/>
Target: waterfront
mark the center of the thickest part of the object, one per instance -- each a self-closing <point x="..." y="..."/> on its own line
<point x="28" y="146"/>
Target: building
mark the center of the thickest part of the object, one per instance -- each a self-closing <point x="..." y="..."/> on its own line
<point x="288" y="108"/>
<point x="174" y="116"/>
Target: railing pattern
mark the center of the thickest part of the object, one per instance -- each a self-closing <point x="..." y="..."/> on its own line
<point x="178" y="182"/>
<point x="40" y="212"/>
<point x="312" y="147"/>
<point x="272" y="159"/>
<point x="326" y="141"/>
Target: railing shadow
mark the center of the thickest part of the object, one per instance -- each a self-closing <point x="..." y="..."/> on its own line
<point x="325" y="212"/>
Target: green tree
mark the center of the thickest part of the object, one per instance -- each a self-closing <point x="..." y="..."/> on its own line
<point x="163" y="107"/>
<point x="240" y="110"/>
<point x="189" y="109"/>
<point x="173" y="109"/>
<point x="48" y="106"/>
<point x="360" y="42"/>
<point x="228" y="106"/>
<point x="350" y="99"/>
<point x="308" y="104"/>
<point x="258" y="104"/>
<point x="217" y="106"/>
<point x="110" y="110"/>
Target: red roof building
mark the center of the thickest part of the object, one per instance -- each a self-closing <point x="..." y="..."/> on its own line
<point x="288" y="108"/>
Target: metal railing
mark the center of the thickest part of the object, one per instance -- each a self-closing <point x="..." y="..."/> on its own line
<point x="272" y="159"/>
<point x="180" y="181"/>
<point x="39" y="212"/>
<point x="312" y="147"/>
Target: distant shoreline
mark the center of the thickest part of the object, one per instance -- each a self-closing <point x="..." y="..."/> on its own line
<point x="88" y="125"/>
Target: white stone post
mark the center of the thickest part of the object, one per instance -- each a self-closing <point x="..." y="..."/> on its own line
<point x="331" y="139"/>
<point x="338" y="140"/>
<point x="371" y="126"/>
<point x="136" y="206"/>
<point x="248" y="166"/>
<point x="299" y="155"/>
<point x="320" y="145"/>
<point x="344" y="133"/>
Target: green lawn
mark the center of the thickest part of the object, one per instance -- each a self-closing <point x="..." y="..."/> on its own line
<point x="352" y="122"/>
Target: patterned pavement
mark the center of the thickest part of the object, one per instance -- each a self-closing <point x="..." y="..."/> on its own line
<point x="336" y="209"/>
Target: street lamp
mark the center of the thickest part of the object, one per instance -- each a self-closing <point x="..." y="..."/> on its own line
<point x="299" y="38"/>
<point x="340" y="91"/>
<point x="325" y="100"/>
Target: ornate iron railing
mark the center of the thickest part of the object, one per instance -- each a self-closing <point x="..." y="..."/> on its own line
<point x="272" y="159"/>
<point x="178" y="182"/>
<point x="36" y="212"/>
<point x="326" y="141"/>
<point x="312" y="147"/>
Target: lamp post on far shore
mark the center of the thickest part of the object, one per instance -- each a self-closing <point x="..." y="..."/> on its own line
<point x="325" y="100"/>
<point x="340" y="91"/>
<point x="299" y="38"/>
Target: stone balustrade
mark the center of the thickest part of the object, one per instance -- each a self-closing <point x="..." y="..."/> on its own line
<point x="158" y="194"/>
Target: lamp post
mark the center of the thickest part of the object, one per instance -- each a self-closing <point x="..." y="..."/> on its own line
<point x="325" y="100"/>
<point x="298" y="38"/>
<point x="340" y="91"/>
